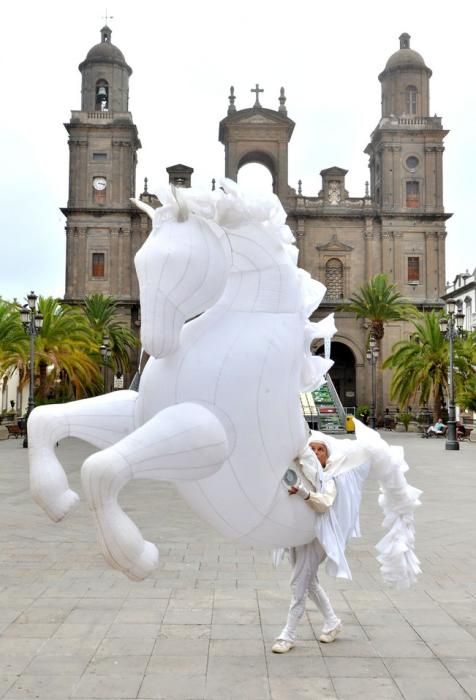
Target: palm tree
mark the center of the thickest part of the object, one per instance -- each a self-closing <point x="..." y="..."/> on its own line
<point x="102" y="314"/>
<point x="13" y="341"/>
<point x="65" y="350"/>
<point x="379" y="301"/>
<point x="421" y="364"/>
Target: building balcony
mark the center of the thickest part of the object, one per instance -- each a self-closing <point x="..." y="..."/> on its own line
<point x="78" y="116"/>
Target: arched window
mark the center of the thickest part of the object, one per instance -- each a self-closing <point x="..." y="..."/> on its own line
<point x="334" y="279"/>
<point x="102" y="96"/>
<point x="411" y="100"/>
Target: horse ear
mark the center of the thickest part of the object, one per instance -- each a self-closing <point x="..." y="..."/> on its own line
<point x="145" y="207"/>
<point x="183" y="211"/>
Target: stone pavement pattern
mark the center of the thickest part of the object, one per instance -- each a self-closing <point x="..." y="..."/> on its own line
<point x="203" y="625"/>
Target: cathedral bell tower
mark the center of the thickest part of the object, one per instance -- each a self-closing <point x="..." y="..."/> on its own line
<point x="406" y="177"/>
<point x="406" y="149"/>
<point x="100" y="220"/>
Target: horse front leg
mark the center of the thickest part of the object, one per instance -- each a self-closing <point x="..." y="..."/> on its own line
<point x="182" y="442"/>
<point x="102" y="421"/>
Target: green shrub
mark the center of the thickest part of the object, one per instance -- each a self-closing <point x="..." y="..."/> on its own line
<point x="405" y="418"/>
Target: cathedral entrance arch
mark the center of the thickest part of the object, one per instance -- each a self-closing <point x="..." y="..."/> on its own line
<point x="343" y="372"/>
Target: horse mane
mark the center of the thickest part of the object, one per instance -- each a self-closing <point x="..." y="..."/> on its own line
<point x="236" y="208"/>
<point x="178" y="203"/>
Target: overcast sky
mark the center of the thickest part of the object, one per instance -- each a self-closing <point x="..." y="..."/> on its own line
<point x="184" y="56"/>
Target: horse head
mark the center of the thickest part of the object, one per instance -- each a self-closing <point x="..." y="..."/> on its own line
<point x="182" y="267"/>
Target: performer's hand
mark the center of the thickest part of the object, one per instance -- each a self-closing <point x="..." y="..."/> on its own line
<point x="300" y="489"/>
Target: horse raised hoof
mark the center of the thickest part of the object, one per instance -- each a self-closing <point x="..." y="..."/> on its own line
<point x="57" y="507"/>
<point x="103" y="474"/>
<point x="122" y="544"/>
<point x="145" y="564"/>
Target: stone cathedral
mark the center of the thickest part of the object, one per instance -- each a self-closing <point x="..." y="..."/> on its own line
<point x="396" y="227"/>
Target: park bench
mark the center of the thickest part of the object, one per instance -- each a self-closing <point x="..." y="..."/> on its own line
<point x="15" y="431"/>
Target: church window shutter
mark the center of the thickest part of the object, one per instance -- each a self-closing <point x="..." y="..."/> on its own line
<point x="413" y="268"/>
<point x="98" y="265"/>
<point x="334" y="279"/>
<point x="413" y="194"/>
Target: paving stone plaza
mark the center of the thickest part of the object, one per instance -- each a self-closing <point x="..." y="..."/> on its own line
<point x="203" y="625"/>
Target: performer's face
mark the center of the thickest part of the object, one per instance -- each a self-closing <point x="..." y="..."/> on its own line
<point x="320" y="450"/>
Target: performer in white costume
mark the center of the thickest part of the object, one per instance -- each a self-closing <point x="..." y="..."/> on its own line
<point x="319" y="493"/>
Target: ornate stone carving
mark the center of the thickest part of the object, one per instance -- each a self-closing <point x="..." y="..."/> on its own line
<point x="333" y="193"/>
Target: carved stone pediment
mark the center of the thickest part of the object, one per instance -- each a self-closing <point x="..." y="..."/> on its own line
<point x="335" y="171"/>
<point x="335" y="246"/>
<point x="262" y="117"/>
<point x="257" y="119"/>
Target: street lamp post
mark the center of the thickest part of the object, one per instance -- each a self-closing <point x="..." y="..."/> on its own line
<point x="372" y="355"/>
<point x="451" y="326"/>
<point x="32" y="323"/>
<point x="106" y="354"/>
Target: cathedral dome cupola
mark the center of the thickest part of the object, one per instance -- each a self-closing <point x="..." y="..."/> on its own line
<point x="405" y="83"/>
<point x="105" y="85"/>
<point x="405" y="57"/>
<point x="105" y="52"/>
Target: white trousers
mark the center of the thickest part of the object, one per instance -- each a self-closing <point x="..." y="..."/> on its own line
<point x="304" y="582"/>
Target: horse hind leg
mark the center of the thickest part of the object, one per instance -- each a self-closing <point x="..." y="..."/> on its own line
<point x="183" y="442"/>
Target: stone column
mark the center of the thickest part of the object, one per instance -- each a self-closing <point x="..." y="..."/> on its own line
<point x="398" y="271"/>
<point x="387" y="177"/>
<point x="430" y="179"/>
<point x="397" y="190"/>
<point x="441" y="269"/>
<point x="431" y="263"/>
<point x="369" y="251"/>
<point x="123" y="264"/>
<point x="82" y="255"/>
<point x="387" y="261"/>
<point x="115" y="263"/>
<point x="69" y="261"/>
<point x="281" y="176"/>
<point x="439" y="177"/>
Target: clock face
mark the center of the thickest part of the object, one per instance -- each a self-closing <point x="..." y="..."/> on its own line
<point x="99" y="183"/>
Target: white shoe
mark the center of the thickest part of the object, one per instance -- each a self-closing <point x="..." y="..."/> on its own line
<point x="328" y="637"/>
<point x="281" y="646"/>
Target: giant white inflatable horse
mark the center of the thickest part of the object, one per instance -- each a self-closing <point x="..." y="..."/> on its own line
<point x="217" y="411"/>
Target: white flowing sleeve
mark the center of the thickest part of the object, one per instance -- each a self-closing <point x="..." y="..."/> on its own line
<point x="321" y="501"/>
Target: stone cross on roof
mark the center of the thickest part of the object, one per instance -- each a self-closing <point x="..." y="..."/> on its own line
<point x="257" y="90"/>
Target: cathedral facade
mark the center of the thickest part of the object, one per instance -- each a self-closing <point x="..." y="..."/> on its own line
<point x="396" y="227"/>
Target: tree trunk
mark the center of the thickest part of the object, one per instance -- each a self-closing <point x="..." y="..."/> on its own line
<point x="437" y="404"/>
<point x="43" y="384"/>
